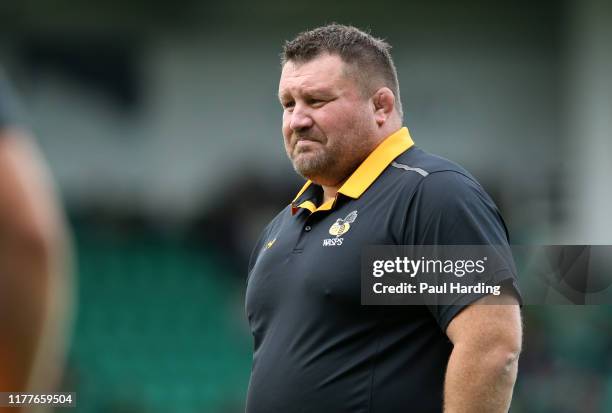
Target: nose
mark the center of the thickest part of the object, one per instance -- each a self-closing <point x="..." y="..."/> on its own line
<point x="300" y="119"/>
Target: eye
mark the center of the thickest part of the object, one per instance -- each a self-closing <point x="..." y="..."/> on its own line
<point x="317" y="103"/>
<point x="288" y="105"/>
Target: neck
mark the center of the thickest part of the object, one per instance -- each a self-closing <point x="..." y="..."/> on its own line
<point x="330" y="191"/>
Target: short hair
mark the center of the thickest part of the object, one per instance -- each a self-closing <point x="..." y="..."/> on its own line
<point x="369" y="55"/>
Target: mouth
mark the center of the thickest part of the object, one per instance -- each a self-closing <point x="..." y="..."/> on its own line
<point x="306" y="139"/>
<point x="303" y="144"/>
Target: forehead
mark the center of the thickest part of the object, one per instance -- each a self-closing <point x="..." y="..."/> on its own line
<point x="325" y="71"/>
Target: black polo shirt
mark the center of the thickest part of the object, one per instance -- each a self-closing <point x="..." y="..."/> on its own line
<point x="316" y="348"/>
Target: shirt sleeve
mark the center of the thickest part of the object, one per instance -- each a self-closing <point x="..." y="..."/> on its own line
<point x="450" y="208"/>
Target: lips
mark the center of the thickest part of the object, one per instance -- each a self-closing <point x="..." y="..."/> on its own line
<point x="305" y="146"/>
<point x="300" y="139"/>
<point x="306" y="139"/>
<point x="306" y="142"/>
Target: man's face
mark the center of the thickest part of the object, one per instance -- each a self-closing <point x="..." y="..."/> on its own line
<point x="328" y="125"/>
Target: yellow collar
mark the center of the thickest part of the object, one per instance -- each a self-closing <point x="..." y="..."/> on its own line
<point x="366" y="173"/>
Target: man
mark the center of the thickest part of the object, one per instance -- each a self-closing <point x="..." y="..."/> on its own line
<point x="316" y="348"/>
<point x="34" y="277"/>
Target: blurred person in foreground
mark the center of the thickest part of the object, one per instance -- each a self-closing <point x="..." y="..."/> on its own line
<point x="316" y="348"/>
<point x="35" y="288"/>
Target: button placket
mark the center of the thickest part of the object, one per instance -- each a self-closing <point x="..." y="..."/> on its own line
<point x="307" y="228"/>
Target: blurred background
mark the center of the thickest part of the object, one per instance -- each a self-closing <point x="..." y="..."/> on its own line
<point x="161" y="126"/>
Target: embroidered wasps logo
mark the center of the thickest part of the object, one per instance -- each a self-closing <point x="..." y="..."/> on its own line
<point x="342" y="226"/>
<point x="339" y="228"/>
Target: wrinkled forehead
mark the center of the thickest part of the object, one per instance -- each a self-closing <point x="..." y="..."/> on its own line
<point x="326" y="71"/>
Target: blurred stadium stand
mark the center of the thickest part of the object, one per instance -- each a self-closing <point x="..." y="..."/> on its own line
<point x="160" y="328"/>
<point x="161" y="124"/>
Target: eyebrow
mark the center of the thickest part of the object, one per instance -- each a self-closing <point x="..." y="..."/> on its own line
<point x="325" y="91"/>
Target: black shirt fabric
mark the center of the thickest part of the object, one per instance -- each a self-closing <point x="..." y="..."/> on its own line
<point x="316" y="348"/>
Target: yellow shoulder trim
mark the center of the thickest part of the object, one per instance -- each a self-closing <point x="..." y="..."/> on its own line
<point x="376" y="162"/>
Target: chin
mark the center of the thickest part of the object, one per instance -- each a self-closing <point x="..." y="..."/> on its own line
<point x="313" y="166"/>
<point x="317" y="176"/>
<point x="306" y="165"/>
<point x="307" y="173"/>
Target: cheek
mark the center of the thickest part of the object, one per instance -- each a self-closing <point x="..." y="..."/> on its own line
<point x="287" y="132"/>
<point x="285" y="127"/>
<point x="338" y="116"/>
<point x="351" y="118"/>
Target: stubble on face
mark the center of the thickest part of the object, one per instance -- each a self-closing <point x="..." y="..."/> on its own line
<point x="340" y="136"/>
<point x="331" y="159"/>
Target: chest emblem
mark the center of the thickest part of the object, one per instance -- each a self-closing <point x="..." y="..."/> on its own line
<point x="342" y="226"/>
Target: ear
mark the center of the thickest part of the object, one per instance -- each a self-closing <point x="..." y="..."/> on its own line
<point x="384" y="105"/>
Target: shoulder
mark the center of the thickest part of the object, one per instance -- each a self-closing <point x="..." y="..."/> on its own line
<point x="447" y="205"/>
<point x="271" y="228"/>
<point x="434" y="177"/>
<point x="282" y="216"/>
<point x="274" y="224"/>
